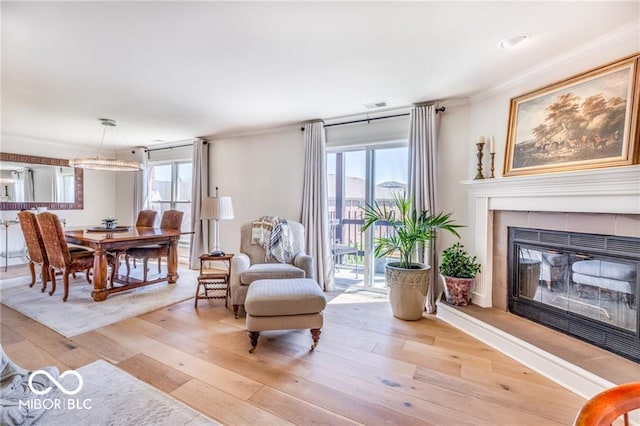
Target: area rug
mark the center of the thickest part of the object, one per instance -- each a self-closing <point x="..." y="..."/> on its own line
<point x="110" y="396"/>
<point x="80" y="314"/>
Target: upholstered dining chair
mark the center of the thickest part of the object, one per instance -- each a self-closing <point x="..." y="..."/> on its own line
<point x="35" y="247"/>
<point x="145" y="219"/>
<point x="171" y="219"/>
<point x="611" y="405"/>
<point x="252" y="265"/>
<point x="58" y="254"/>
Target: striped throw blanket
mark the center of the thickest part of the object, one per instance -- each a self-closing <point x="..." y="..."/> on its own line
<point x="272" y="233"/>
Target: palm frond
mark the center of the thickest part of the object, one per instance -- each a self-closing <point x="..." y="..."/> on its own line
<point x="410" y="227"/>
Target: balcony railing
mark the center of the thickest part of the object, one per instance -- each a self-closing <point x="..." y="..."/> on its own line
<point x="346" y="235"/>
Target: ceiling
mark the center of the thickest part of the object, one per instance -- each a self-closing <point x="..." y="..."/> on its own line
<point x="171" y="71"/>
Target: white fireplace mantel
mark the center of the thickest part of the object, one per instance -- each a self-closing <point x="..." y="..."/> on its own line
<point x="609" y="190"/>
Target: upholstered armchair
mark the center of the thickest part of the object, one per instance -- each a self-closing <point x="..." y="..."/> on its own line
<point x="251" y="264"/>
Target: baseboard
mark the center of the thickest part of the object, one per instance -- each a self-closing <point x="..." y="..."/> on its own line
<point x="574" y="378"/>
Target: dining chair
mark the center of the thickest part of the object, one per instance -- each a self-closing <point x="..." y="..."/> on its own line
<point x="35" y="247"/>
<point x="611" y="405"/>
<point x="145" y="219"/>
<point x="58" y="254"/>
<point x="171" y="219"/>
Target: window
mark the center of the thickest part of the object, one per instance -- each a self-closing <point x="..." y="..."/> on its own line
<point x="169" y="188"/>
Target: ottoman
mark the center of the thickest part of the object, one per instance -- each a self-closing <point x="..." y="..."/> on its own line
<point x="284" y="304"/>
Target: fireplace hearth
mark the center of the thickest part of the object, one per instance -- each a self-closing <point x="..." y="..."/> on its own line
<point x="585" y="285"/>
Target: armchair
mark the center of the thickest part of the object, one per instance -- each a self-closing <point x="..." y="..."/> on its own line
<point x="250" y="264"/>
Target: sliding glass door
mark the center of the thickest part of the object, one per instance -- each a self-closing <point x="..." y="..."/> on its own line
<point x="358" y="177"/>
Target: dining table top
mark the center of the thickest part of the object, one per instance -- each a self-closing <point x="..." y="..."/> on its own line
<point x="132" y="233"/>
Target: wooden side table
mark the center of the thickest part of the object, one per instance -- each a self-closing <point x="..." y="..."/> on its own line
<point x="214" y="281"/>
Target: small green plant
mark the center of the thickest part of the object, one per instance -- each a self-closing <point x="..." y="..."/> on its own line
<point x="456" y="262"/>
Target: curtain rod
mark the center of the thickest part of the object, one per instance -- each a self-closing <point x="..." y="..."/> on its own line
<point x="441" y="109"/>
<point x="171" y="147"/>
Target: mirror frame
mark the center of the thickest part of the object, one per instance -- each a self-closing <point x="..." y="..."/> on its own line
<point x="78" y="203"/>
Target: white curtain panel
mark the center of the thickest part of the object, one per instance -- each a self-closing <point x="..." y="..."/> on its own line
<point x="315" y="211"/>
<point x="199" y="191"/>
<point x="58" y="191"/>
<point x="140" y="183"/>
<point x="18" y="186"/>
<point x="29" y="189"/>
<point x="422" y="179"/>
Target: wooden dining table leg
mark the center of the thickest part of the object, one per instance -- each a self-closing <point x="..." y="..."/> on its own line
<point x="99" y="292"/>
<point x="172" y="261"/>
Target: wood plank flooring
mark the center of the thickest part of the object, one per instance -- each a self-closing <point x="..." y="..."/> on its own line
<point x="369" y="368"/>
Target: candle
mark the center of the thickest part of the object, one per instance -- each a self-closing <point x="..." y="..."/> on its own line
<point x="481" y="139"/>
<point x="491" y="146"/>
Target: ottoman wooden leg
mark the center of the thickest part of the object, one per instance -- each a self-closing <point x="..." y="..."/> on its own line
<point x="315" y="334"/>
<point x="253" y="336"/>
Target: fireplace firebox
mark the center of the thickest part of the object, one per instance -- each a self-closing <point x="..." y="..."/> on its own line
<point x="585" y="285"/>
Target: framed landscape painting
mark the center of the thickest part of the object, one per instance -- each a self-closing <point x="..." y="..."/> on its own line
<point x="587" y="121"/>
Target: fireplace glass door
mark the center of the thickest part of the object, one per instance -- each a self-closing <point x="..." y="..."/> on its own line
<point x="595" y="287"/>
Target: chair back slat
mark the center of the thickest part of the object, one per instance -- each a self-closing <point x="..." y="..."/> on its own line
<point x="54" y="241"/>
<point x="32" y="236"/>
<point x="146" y="218"/>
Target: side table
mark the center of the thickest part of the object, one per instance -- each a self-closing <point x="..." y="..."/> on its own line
<point x="214" y="281"/>
<point x="5" y="254"/>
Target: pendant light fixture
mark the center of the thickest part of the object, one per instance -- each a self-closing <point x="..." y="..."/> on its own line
<point x="109" y="164"/>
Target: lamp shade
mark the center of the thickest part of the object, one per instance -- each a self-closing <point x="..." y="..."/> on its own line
<point x="217" y="208"/>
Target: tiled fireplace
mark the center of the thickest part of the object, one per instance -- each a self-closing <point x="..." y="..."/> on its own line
<point x="605" y="201"/>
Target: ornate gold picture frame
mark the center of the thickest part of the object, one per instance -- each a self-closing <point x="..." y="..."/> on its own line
<point x="584" y="122"/>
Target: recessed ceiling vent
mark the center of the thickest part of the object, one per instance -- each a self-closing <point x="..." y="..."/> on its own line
<point x="375" y="105"/>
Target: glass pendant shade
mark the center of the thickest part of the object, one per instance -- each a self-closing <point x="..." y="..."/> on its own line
<point x="108" y="164"/>
<point x="105" y="164"/>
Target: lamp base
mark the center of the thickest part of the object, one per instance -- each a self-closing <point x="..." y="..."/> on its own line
<point x="217" y="253"/>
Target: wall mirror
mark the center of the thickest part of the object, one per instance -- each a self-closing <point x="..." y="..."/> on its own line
<point x="28" y="182"/>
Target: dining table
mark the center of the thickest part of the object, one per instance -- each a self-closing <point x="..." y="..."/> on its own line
<point x="117" y="241"/>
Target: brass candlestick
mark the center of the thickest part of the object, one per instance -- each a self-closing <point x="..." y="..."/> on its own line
<point x="493" y="155"/>
<point x="480" y="146"/>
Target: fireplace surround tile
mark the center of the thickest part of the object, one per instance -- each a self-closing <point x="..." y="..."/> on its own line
<point x="548" y="220"/>
<point x="627" y="225"/>
<point x="593" y="223"/>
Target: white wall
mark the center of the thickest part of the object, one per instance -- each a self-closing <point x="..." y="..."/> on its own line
<point x="262" y="173"/>
<point x="453" y="148"/>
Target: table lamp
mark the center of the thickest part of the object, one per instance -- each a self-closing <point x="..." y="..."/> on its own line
<point x="217" y="209"/>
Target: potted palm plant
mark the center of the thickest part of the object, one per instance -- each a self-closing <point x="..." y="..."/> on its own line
<point x="407" y="281"/>
<point x="458" y="271"/>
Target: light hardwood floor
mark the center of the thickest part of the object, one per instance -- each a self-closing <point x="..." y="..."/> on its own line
<point x="369" y="368"/>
